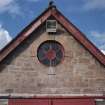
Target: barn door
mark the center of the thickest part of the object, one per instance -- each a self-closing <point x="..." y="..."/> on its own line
<point x="51" y="102"/>
<point x="28" y="102"/>
<point x="74" y="102"/>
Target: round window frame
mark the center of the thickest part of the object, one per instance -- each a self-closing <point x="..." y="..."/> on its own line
<point x="62" y="50"/>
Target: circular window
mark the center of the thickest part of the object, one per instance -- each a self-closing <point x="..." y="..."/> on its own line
<point x="50" y="53"/>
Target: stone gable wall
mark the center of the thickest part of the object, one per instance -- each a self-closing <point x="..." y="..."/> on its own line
<point x="79" y="73"/>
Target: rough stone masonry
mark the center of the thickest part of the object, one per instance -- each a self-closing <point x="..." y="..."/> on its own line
<point x="79" y="73"/>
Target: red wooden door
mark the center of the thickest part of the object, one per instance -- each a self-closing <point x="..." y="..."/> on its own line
<point x="51" y="102"/>
<point x="28" y="102"/>
<point x="73" y="102"/>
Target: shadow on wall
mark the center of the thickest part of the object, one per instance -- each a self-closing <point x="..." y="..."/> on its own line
<point x="25" y="44"/>
<point x="22" y="47"/>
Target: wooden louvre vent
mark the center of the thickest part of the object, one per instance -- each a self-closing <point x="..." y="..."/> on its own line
<point x="51" y="25"/>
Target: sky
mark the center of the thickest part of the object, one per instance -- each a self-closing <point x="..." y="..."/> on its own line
<point x="87" y="15"/>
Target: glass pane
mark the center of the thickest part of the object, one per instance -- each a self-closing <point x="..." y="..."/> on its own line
<point x="51" y="24"/>
<point x="100" y="102"/>
<point x="46" y="62"/>
<point x="3" y="101"/>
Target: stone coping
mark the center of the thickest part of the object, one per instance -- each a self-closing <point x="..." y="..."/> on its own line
<point x="27" y="95"/>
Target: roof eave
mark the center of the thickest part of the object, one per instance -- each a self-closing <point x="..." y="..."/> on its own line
<point x="76" y="33"/>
